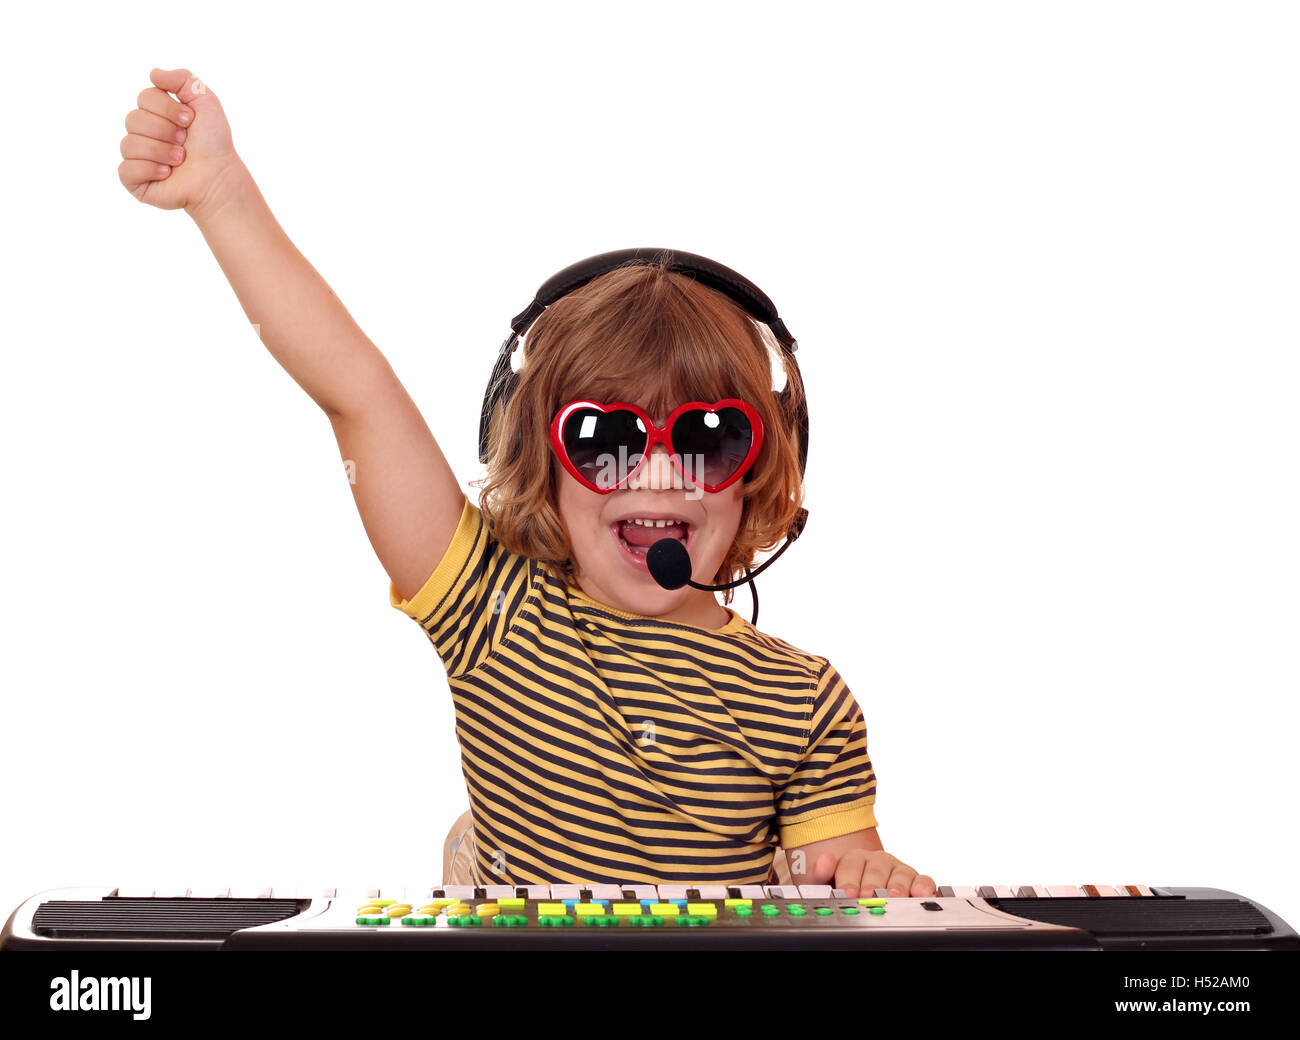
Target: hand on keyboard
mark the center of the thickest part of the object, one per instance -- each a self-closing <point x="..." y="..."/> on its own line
<point x="862" y="871"/>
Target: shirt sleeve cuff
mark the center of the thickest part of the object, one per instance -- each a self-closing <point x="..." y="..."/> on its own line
<point x="860" y="816"/>
<point x="426" y="601"/>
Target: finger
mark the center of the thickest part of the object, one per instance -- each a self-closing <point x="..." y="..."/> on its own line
<point x="161" y="103"/>
<point x="181" y="82"/>
<point x="848" y="875"/>
<point x="146" y="124"/>
<point x="876" y="874"/>
<point x="822" y="870"/>
<point x="136" y="147"/>
<point x="900" y="879"/>
<point x="137" y="174"/>
<point x="923" y="885"/>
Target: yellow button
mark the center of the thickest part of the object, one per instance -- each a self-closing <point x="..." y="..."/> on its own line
<point x="664" y="909"/>
<point x="626" y="908"/>
<point x="457" y="910"/>
<point x="398" y="911"/>
<point x="488" y="910"/>
<point x="738" y="902"/>
<point x="871" y="902"/>
<point x="369" y="908"/>
<point x="702" y="909"/>
<point x="433" y="908"/>
<point x="589" y="910"/>
<point x="382" y="902"/>
<point x="512" y="902"/>
<point x="551" y="909"/>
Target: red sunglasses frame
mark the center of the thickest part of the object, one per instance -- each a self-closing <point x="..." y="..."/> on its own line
<point x="657" y="435"/>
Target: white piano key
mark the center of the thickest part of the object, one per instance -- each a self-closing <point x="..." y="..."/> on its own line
<point x="458" y="891"/>
<point x="753" y="892"/>
<point x="171" y="890"/>
<point x="782" y="892"/>
<point x="209" y="893"/>
<point x="1134" y="890"/>
<point x="566" y="891"/>
<point x="135" y="891"/>
<point x="965" y="892"/>
<point x="500" y="891"/>
<point x="1003" y="891"/>
<point x="713" y="891"/>
<point x="1099" y="891"/>
<point x="667" y="892"/>
<point x="249" y="892"/>
<point x="1063" y="891"/>
<point x="815" y="892"/>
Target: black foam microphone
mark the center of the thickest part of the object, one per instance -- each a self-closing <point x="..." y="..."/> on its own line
<point x="670" y="564"/>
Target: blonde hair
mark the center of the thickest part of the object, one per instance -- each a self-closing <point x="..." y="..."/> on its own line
<point x="656" y="337"/>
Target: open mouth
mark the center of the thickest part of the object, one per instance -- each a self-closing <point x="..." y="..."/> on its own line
<point x="635" y="535"/>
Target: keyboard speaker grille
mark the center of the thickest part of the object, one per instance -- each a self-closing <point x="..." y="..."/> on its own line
<point x="158" y="918"/>
<point x="1122" y="917"/>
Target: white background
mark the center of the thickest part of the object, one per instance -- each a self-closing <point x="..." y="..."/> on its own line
<point x="1041" y="260"/>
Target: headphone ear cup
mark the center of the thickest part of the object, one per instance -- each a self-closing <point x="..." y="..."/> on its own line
<point x="496" y="417"/>
<point x="797" y="412"/>
<point x="501" y="387"/>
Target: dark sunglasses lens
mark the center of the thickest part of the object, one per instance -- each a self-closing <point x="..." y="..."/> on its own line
<point x="712" y="445"/>
<point x="603" y="446"/>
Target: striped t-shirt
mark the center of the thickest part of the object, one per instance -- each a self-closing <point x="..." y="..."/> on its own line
<point x="601" y="746"/>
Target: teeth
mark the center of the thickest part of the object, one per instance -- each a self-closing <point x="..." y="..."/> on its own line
<point x="651" y="523"/>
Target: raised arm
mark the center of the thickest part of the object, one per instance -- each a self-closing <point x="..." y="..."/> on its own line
<point x="407" y="495"/>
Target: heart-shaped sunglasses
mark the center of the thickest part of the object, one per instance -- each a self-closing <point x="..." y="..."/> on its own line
<point x="604" y="445"/>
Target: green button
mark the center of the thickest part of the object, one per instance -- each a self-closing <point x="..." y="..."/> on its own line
<point x="822" y="911"/>
<point x="797" y="911"/>
<point x="770" y="910"/>
<point x="850" y="910"/>
<point x="744" y="911"/>
<point x="877" y="909"/>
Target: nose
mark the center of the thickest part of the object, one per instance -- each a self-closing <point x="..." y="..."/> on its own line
<point x="658" y="473"/>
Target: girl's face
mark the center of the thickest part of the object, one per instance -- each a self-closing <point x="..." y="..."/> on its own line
<point x="611" y="568"/>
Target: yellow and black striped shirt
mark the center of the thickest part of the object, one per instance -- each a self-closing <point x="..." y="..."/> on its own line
<point x="601" y="746"/>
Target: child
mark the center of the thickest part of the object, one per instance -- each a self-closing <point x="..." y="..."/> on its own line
<point x="611" y="730"/>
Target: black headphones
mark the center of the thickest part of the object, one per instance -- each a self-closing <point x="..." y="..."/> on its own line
<point x="750" y="297"/>
<point x="726" y="281"/>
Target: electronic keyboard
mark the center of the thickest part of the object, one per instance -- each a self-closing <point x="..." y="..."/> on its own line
<point x="634" y="916"/>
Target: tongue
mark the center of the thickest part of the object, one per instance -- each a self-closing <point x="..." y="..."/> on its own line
<point x="636" y="534"/>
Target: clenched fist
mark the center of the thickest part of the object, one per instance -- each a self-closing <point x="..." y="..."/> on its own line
<point x="177" y="153"/>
